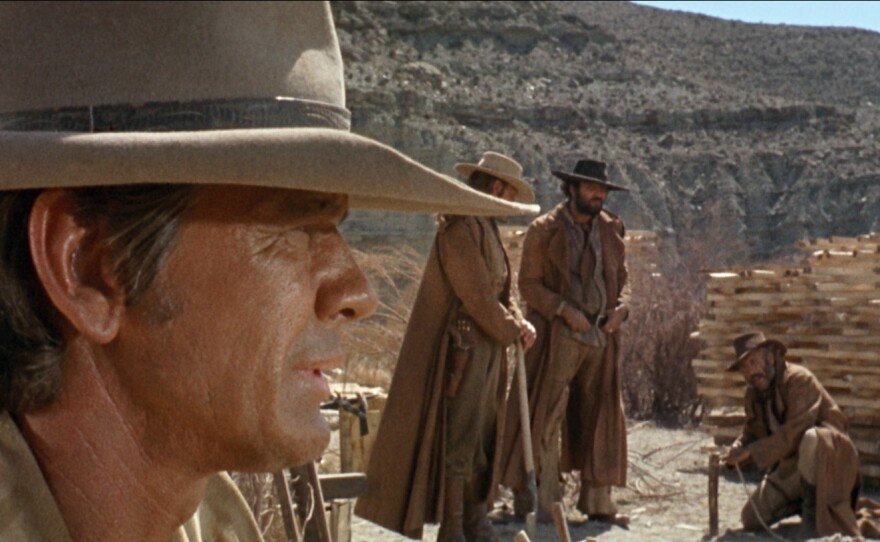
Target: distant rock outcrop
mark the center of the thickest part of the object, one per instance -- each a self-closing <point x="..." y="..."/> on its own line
<point x="747" y="137"/>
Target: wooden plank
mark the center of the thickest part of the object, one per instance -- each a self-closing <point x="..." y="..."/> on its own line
<point x="723" y="392"/>
<point x="345" y="485"/>
<point x="837" y="355"/>
<point x="871" y="471"/>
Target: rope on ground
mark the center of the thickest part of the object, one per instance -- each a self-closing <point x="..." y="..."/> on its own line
<point x="755" y="507"/>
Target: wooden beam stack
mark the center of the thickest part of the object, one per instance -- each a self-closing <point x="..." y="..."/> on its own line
<point x="826" y="310"/>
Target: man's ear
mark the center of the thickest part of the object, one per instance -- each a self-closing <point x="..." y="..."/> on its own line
<point x="71" y="268"/>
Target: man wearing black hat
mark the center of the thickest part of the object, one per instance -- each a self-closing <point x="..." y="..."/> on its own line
<point x="572" y="277"/>
<point x="797" y="434"/>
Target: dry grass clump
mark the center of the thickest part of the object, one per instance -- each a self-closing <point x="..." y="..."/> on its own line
<point x="372" y="344"/>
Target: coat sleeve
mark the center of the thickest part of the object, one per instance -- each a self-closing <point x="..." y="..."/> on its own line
<point x="623" y="274"/>
<point x="804" y="402"/>
<point x="471" y="281"/>
<point x="531" y="276"/>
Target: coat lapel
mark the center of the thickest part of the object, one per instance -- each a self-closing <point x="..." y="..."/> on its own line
<point x="558" y="250"/>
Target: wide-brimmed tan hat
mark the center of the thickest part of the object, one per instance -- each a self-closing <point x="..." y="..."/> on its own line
<point x="748" y="343"/>
<point x="502" y="167"/>
<point x="248" y="93"/>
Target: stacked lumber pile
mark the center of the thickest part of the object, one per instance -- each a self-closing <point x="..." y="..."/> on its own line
<point x="826" y="310"/>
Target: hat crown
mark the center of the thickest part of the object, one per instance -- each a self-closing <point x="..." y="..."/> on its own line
<point x="592" y="168"/>
<point x="58" y="55"/>
<point x="748" y="342"/>
<point x="500" y="163"/>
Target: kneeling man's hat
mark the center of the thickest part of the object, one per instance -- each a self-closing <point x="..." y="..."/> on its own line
<point x="748" y="343"/>
<point x="243" y="93"/>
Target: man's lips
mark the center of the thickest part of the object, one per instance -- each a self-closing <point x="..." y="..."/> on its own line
<point x="318" y="365"/>
<point x="313" y="374"/>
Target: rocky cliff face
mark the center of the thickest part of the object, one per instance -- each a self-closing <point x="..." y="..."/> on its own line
<point x="744" y="137"/>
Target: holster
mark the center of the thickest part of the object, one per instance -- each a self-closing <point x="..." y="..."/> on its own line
<point x="462" y="336"/>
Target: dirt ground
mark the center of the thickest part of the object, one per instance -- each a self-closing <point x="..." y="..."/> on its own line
<point x="666" y="498"/>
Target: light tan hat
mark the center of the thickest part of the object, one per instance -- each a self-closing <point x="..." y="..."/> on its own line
<point x="247" y="93"/>
<point x="503" y="167"/>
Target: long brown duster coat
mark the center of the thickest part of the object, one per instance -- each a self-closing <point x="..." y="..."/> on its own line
<point x="800" y="402"/>
<point x="544" y="284"/>
<point x="406" y="472"/>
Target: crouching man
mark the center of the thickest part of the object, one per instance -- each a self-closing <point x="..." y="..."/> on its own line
<point x="796" y="433"/>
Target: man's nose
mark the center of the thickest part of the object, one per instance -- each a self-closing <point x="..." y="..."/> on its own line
<point x="344" y="293"/>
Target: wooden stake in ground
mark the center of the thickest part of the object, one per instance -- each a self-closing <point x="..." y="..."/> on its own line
<point x="559" y="521"/>
<point x="714" y="460"/>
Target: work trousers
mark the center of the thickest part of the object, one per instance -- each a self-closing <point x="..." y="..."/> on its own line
<point x="471" y="416"/>
<point x="780" y="492"/>
<point x="575" y="365"/>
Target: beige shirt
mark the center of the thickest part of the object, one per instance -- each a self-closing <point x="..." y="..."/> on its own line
<point x="28" y="511"/>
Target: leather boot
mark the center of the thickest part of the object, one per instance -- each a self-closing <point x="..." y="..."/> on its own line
<point x="477" y="527"/>
<point x="808" y="511"/>
<point x="451" y="526"/>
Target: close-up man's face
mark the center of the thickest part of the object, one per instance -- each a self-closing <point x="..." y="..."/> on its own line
<point x="758" y="369"/>
<point x="589" y="198"/>
<point x="223" y="357"/>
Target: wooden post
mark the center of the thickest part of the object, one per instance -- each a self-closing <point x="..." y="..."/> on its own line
<point x="562" y="533"/>
<point x="354" y="450"/>
<point x="340" y="521"/>
<point x="714" y="460"/>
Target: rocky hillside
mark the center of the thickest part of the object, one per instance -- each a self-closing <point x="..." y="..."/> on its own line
<point x="744" y="137"/>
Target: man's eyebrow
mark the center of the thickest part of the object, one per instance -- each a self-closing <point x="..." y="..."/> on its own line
<point x="314" y="205"/>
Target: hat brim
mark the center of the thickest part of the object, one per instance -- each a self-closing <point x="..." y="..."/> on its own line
<point x="571" y="177"/>
<point x="374" y="175"/>
<point x="524" y="192"/>
<point x="769" y="342"/>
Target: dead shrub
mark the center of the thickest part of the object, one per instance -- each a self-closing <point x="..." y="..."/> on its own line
<point x="667" y="301"/>
<point x="259" y="492"/>
<point x="372" y="344"/>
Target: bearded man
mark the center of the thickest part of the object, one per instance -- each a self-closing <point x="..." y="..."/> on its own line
<point x="173" y="280"/>
<point x="572" y="278"/>
<point x="435" y="450"/>
<point x="796" y="433"/>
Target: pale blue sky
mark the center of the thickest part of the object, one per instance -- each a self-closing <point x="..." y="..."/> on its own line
<point x="853" y="14"/>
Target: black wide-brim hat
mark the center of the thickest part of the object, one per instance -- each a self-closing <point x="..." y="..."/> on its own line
<point x="592" y="171"/>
